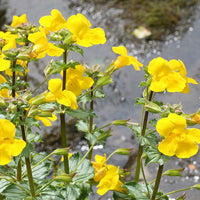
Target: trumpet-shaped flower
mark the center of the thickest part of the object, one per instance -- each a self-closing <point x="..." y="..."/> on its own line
<point x="76" y="82"/>
<point x="42" y="46"/>
<point x="3" y="92"/>
<point x="124" y="59"/>
<point x="7" y="40"/>
<point x="169" y="75"/>
<point x="18" y="20"/>
<point x="8" y="145"/>
<point x="178" y="140"/>
<point x="46" y="120"/>
<point x="99" y="166"/>
<point x="53" y="22"/>
<point x="63" y="97"/>
<point x="82" y="34"/>
<point x="110" y="181"/>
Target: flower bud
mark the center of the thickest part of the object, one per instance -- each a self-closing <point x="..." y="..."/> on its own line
<point x="174" y="172"/>
<point x="104" y="80"/>
<point x="62" y="151"/>
<point x="65" y="177"/>
<point x="124" y="151"/>
<point x="197" y="186"/>
<point x="152" y="107"/>
<point x="120" y="122"/>
<point x="40" y="99"/>
<point x="68" y="39"/>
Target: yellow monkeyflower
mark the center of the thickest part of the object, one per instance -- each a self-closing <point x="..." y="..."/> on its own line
<point x="42" y="46"/>
<point x="18" y="20"/>
<point x="110" y="181"/>
<point x="124" y="59"/>
<point x="53" y="22"/>
<point x="169" y="75"/>
<point x="63" y="97"/>
<point x="46" y="120"/>
<point x="4" y="64"/>
<point x="76" y="82"/>
<point x="82" y="34"/>
<point x="7" y="40"/>
<point x="99" y="167"/>
<point x="178" y="140"/>
<point x="8" y="145"/>
<point x="3" y="92"/>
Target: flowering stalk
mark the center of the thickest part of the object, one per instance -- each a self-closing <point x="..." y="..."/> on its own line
<point x="62" y="119"/>
<point x="27" y="161"/>
<point x="157" y="183"/>
<point x="91" y="122"/>
<point x="140" y="149"/>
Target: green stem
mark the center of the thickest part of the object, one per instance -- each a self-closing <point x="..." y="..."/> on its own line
<point x="28" y="165"/>
<point x="91" y="123"/>
<point x="175" y="191"/>
<point x="140" y="149"/>
<point x="145" y="180"/>
<point x="42" y="188"/>
<point x="157" y="183"/>
<point x="13" y="78"/>
<point x="110" y="155"/>
<point x="19" y="170"/>
<point x="62" y="118"/>
<point x="83" y="158"/>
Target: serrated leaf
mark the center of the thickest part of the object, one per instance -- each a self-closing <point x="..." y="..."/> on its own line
<point x="81" y="114"/>
<point x="140" y="101"/>
<point x="76" y="49"/>
<point x="82" y="126"/>
<point x="136" y="190"/>
<point x="154" y="156"/>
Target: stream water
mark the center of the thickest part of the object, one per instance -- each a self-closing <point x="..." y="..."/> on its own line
<point x="119" y="103"/>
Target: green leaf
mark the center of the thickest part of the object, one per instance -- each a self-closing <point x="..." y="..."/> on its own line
<point x="82" y="126"/>
<point x="154" y="156"/>
<point x="120" y="196"/>
<point x="137" y="190"/>
<point x="72" y="192"/>
<point x="76" y="49"/>
<point x="14" y="192"/>
<point x="80" y="113"/>
<point x="149" y="139"/>
<point x="27" y="150"/>
<point x="85" y="170"/>
<point x="140" y="101"/>
<point x="4" y="184"/>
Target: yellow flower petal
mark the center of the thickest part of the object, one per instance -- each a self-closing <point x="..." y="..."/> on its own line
<point x="121" y="50"/>
<point x="55" y="86"/>
<point x="168" y="146"/>
<point x="17" y="146"/>
<point x="186" y="148"/>
<point x="19" y="20"/>
<point x="164" y="127"/>
<point x="54" y="50"/>
<point x="4" y="64"/>
<point x="7" y="129"/>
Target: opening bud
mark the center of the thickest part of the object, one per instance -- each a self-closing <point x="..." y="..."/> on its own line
<point x="124" y="151"/>
<point x="65" y="177"/>
<point x="174" y="172"/>
<point x="62" y="151"/>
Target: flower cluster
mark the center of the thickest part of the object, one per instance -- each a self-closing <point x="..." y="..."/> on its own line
<point x="107" y="175"/>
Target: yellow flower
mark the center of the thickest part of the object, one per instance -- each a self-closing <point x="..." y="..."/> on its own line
<point x="4" y="64"/>
<point x="3" y="92"/>
<point x="110" y="181"/>
<point x="124" y="59"/>
<point x="19" y="20"/>
<point x="178" y="140"/>
<point x="76" y="81"/>
<point x="63" y="97"/>
<point x="46" y="120"/>
<point x="82" y="35"/>
<point x="99" y="166"/>
<point x="7" y="40"/>
<point x="42" y="46"/>
<point x="53" y="22"/>
<point x="8" y="145"/>
<point x="169" y="75"/>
